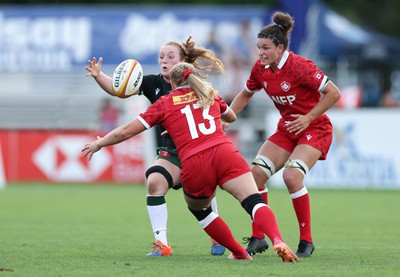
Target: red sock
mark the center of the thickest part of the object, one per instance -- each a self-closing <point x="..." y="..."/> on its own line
<point x="256" y="232"/>
<point x="220" y="232"/>
<point x="303" y="212"/>
<point x="264" y="194"/>
<point x="266" y="221"/>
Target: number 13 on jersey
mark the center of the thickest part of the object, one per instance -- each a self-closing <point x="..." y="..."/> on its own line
<point x="191" y="120"/>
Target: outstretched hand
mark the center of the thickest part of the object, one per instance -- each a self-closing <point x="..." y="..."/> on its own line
<point x="91" y="148"/>
<point x="94" y="67"/>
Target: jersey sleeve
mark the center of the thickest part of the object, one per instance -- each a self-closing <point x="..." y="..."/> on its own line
<point x="223" y="106"/>
<point x="153" y="115"/>
<point x="252" y="83"/>
<point x="313" y="78"/>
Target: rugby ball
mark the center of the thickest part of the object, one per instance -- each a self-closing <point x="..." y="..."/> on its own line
<point x="127" y="78"/>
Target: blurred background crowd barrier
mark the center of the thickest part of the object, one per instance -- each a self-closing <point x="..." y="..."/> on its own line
<point x="49" y="109"/>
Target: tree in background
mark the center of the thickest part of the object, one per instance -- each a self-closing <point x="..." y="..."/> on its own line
<point x="375" y="15"/>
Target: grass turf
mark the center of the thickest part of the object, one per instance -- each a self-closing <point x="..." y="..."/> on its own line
<point x="84" y="230"/>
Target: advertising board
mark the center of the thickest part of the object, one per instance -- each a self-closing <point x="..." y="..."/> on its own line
<point x="364" y="152"/>
<point x="55" y="156"/>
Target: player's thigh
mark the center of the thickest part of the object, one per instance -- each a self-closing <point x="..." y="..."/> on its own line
<point x="241" y="187"/>
<point x="276" y="154"/>
<point x="307" y="154"/>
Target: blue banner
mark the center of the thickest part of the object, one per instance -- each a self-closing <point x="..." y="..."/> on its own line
<point x="60" y="38"/>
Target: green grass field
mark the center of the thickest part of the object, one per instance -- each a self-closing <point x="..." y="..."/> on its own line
<point x="72" y="230"/>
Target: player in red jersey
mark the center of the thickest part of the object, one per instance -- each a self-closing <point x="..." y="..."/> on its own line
<point x="165" y="171"/>
<point x="191" y="114"/>
<point x="304" y="132"/>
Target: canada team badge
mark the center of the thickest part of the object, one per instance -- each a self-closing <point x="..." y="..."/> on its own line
<point x="285" y="86"/>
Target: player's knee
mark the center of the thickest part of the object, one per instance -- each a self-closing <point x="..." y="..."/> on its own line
<point x="291" y="177"/>
<point x="157" y="186"/>
<point x="263" y="167"/>
<point x="259" y="176"/>
<point x="252" y="201"/>
<point x="294" y="172"/>
<point x="298" y="164"/>
<point x="158" y="179"/>
<point x="202" y="214"/>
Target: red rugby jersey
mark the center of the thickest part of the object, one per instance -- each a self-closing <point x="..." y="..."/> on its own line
<point x="192" y="128"/>
<point x="294" y="87"/>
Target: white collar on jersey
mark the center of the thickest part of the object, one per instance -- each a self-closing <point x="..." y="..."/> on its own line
<point x="284" y="58"/>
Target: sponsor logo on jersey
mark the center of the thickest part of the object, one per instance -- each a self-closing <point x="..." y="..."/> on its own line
<point x="285" y="86"/>
<point x="186" y="98"/>
<point x="284" y="99"/>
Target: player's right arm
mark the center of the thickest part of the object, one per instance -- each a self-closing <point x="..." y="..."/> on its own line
<point x="229" y="117"/>
<point x="116" y="136"/>
<point x="103" y="80"/>
<point x="227" y="114"/>
<point x="240" y="101"/>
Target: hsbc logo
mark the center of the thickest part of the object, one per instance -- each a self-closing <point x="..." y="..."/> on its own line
<point x="60" y="159"/>
<point x="285" y="86"/>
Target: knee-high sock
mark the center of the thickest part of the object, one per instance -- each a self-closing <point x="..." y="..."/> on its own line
<point x="301" y="205"/>
<point x="217" y="229"/>
<point x="265" y="219"/>
<point x="214" y="206"/>
<point x="158" y="214"/>
<point x="256" y="232"/>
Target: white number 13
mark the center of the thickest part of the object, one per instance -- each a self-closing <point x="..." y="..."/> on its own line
<point x="202" y="127"/>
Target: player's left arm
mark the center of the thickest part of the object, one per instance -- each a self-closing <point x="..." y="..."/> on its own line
<point x="331" y="96"/>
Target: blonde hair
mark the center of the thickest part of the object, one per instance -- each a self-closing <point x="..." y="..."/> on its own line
<point x="204" y="90"/>
<point x="201" y="58"/>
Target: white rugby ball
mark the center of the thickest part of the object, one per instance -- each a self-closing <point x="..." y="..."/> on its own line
<point x="127" y="78"/>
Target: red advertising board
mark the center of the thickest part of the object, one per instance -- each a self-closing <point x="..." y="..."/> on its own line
<point x="55" y="156"/>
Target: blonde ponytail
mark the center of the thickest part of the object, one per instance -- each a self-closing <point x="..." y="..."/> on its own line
<point x="186" y="74"/>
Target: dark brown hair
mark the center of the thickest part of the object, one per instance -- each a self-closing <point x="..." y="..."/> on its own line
<point x="278" y="31"/>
